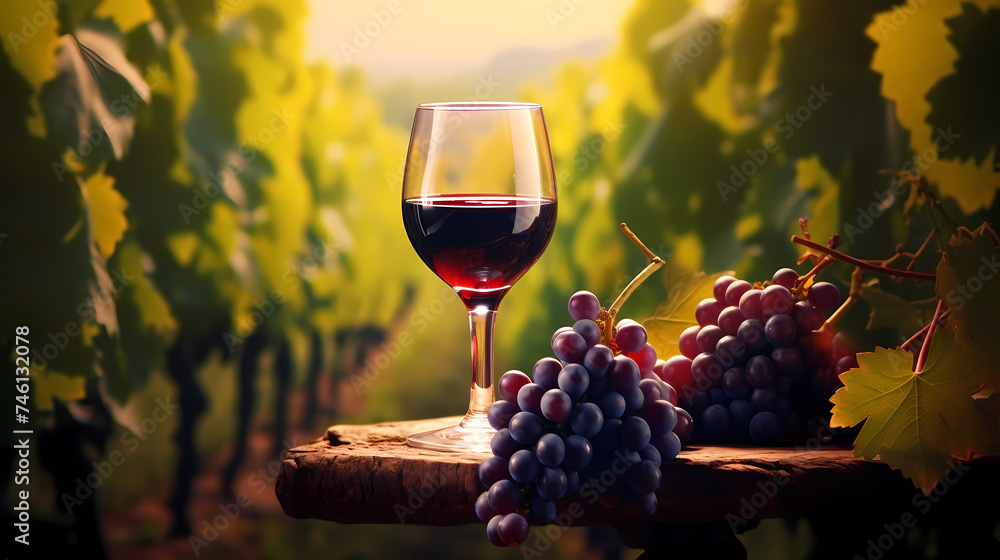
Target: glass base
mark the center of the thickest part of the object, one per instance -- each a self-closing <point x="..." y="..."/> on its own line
<point x="472" y="434"/>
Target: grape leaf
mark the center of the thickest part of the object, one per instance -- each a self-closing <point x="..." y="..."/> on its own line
<point x="907" y="80"/>
<point x="917" y="422"/>
<point x="890" y="310"/>
<point x="968" y="280"/>
<point x="107" y="212"/>
<point x="685" y="290"/>
<point x="964" y="99"/>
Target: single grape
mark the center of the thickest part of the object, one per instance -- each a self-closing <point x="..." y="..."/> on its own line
<point x="759" y="372"/>
<point x="740" y="413"/>
<point x="721" y="285"/>
<point x="503" y="444"/>
<point x="824" y="295"/>
<point x="570" y="347"/>
<point x="584" y="305"/>
<point x="708" y="337"/>
<point x="513" y="529"/>
<point x="546" y="372"/>
<point x="660" y="416"/>
<point x="807" y="317"/>
<point x="730" y="351"/>
<point x="492" y="470"/>
<point x="677" y="372"/>
<point x="541" y="511"/>
<point x="652" y="389"/>
<point x="586" y="419"/>
<point x="730" y="319"/>
<point x="598" y="360"/>
<point x="624" y="374"/>
<point x="776" y="299"/>
<point x="736" y="290"/>
<point x="552" y="484"/>
<point x="764" y="399"/>
<point x="529" y="398"/>
<point x="500" y="414"/>
<point x="751" y="335"/>
<point x="669" y="393"/>
<point x="696" y="400"/>
<point x="558" y="332"/>
<point x="550" y="450"/>
<point x="572" y="481"/>
<point x="635" y="433"/>
<point x="526" y="427"/>
<point x="649" y="453"/>
<point x="630" y="338"/>
<point x="846" y="363"/>
<point x="734" y="383"/>
<point x="780" y="330"/>
<point x="645" y="358"/>
<point x="750" y="304"/>
<point x="578" y="452"/>
<point x="669" y="444"/>
<point x="706" y="370"/>
<point x="524" y="466"/>
<point x="644" y="477"/>
<point x="504" y="496"/>
<point x="574" y="380"/>
<point x="555" y="405"/>
<point x="687" y="343"/>
<point x="715" y="419"/>
<point x="633" y="398"/>
<point x="612" y="404"/>
<point x="683" y="429"/>
<point x="765" y="428"/>
<point x="707" y="312"/>
<point x="510" y="383"/>
<point x="589" y="330"/>
<point x="785" y="277"/>
<point x="493" y="530"/>
<point x="841" y="346"/>
<point x="483" y="510"/>
<point x="787" y="361"/>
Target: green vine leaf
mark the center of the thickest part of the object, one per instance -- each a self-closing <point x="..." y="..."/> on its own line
<point x="917" y="422"/>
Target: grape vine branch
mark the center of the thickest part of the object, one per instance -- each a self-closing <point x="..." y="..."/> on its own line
<point x="606" y="320"/>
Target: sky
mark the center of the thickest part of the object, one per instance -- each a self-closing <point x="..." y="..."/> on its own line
<point x="433" y="38"/>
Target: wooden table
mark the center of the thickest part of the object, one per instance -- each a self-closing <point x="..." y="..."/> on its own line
<point x="367" y="474"/>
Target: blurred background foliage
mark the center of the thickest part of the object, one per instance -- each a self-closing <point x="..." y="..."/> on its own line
<point x="196" y="215"/>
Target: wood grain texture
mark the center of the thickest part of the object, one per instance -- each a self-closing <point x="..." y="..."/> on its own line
<point x="367" y="474"/>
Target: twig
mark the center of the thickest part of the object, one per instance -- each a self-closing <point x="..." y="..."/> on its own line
<point x="920" y="251"/>
<point x="852" y="297"/>
<point x="655" y="263"/>
<point x="862" y="264"/>
<point x="914" y="338"/>
<point x="926" y="347"/>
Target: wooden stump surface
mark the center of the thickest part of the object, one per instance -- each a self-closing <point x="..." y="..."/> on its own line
<point x="368" y="474"/>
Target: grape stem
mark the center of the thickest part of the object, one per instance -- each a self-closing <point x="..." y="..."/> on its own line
<point x="862" y="264"/>
<point x="922" y="331"/>
<point x="655" y="263"/>
<point x="926" y="346"/>
<point x="852" y="297"/>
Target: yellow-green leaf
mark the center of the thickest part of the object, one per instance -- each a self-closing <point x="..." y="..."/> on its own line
<point x="968" y="280"/>
<point x="126" y="13"/>
<point x="685" y="290"/>
<point x="917" y="422"/>
<point x="49" y="385"/>
<point x="107" y="212"/>
<point x="890" y="310"/>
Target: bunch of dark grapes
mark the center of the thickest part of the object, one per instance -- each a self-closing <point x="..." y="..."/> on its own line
<point x="563" y="428"/>
<point x="758" y="367"/>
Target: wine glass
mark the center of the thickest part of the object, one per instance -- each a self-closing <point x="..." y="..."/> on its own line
<point x="479" y="207"/>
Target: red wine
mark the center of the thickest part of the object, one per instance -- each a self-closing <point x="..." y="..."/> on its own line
<point x="479" y="244"/>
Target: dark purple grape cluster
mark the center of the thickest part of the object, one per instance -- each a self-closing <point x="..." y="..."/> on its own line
<point x="566" y="425"/>
<point x="757" y="367"/>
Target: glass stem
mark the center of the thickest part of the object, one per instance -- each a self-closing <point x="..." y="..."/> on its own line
<point x="481" y="321"/>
